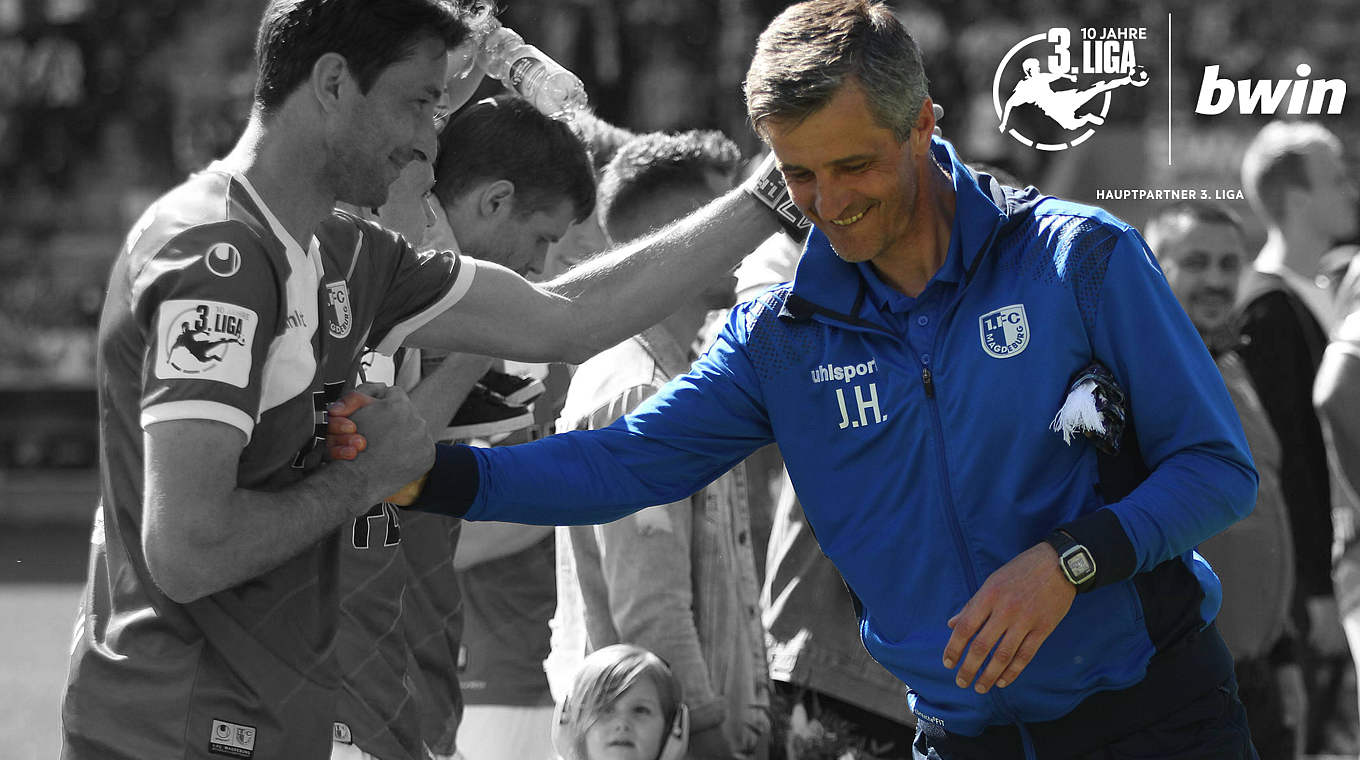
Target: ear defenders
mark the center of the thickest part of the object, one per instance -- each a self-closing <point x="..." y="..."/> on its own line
<point x="678" y="740"/>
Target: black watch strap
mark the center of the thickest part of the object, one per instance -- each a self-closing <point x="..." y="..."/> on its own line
<point x="1074" y="559"/>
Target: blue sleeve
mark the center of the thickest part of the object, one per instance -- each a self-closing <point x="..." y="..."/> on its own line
<point x="1202" y="478"/>
<point x="694" y="429"/>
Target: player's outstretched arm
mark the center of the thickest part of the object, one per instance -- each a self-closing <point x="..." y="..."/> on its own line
<point x="201" y="533"/>
<point x="606" y="299"/>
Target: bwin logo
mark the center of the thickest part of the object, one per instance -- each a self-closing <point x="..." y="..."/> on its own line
<point x="1265" y="96"/>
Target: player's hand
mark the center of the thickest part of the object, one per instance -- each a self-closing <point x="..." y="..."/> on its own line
<point x="343" y="441"/>
<point x="398" y="449"/>
<point x="1019" y="605"/>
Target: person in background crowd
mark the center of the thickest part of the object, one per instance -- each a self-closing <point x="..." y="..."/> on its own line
<point x="1202" y="249"/>
<point x="1336" y="392"/>
<point x="679" y="579"/>
<point x="511" y="181"/>
<point x="1296" y="181"/>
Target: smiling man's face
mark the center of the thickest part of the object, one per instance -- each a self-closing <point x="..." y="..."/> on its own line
<point x="1203" y="262"/>
<point x="850" y="175"/>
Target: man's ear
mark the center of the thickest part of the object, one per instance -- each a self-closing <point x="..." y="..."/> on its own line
<point x="496" y="198"/>
<point x="330" y="75"/>
<point x="924" y="129"/>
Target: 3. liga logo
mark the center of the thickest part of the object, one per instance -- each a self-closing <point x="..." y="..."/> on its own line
<point x="1108" y="61"/>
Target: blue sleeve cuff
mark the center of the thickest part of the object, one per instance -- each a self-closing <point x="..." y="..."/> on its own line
<point x="453" y="483"/>
<point x="1103" y="535"/>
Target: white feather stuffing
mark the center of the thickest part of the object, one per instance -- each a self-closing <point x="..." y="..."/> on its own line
<point x="1078" y="413"/>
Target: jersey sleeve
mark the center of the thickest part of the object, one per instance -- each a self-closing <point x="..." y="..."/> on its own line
<point x="421" y="286"/>
<point x="1202" y="478"/>
<point x="207" y="304"/>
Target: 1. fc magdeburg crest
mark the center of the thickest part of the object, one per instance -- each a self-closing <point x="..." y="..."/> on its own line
<point x="341" y="318"/>
<point x="1005" y="332"/>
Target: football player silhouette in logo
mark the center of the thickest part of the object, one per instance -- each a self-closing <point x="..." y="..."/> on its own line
<point x="1062" y="105"/>
<point x="199" y="347"/>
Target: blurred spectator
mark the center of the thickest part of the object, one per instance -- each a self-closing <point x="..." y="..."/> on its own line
<point x="1202" y="250"/>
<point x="1294" y="177"/>
<point x="677" y="579"/>
<point x="1337" y="394"/>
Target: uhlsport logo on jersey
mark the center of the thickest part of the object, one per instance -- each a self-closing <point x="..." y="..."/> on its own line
<point x="232" y="739"/>
<point x="1005" y="332"/>
<point x="341" y="317"/>
<point x="222" y="259"/>
<point x="205" y="340"/>
<point x="1071" y="88"/>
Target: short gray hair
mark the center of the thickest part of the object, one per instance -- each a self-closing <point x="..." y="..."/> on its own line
<point x="811" y="49"/>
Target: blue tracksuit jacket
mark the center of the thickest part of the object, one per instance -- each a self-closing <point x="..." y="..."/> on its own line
<point x="916" y="434"/>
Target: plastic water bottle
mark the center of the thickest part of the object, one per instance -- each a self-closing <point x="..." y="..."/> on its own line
<point x="534" y="76"/>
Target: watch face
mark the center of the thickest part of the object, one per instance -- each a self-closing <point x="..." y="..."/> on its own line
<point x="1079" y="565"/>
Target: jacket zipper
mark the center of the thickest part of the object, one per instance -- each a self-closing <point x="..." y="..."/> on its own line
<point x="928" y="382"/>
<point x="998" y="702"/>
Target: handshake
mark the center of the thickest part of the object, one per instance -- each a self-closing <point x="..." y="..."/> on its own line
<point x="395" y="446"/>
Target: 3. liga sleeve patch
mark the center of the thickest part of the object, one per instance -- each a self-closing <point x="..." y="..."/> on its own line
<point x="204" y="340"/>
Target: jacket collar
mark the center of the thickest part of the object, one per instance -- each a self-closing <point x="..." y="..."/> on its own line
<point x="834" y="289"/>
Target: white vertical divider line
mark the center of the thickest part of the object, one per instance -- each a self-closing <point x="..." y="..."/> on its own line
<point x="1168" y="88"/>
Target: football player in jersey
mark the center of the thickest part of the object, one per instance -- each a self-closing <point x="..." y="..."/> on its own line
<point x="512" y="180"/>
<point x="210" y="608"/>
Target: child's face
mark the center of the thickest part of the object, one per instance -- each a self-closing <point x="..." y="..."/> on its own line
<point x="629" y="728"/>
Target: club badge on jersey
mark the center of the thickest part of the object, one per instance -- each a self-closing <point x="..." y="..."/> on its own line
<point x="341" y="316"/>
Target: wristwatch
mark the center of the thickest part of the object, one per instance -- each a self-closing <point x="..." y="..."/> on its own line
<point x="1074" y="559"/>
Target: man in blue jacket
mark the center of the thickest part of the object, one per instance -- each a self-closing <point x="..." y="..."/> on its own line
<point x="909" y="374"/>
